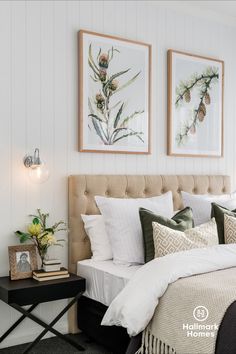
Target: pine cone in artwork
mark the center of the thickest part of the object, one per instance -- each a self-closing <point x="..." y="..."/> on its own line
<point x="187" y="96"/>
<point x="201" y="112"/>
<point x="192" y="129"/>
<point x="201" y="116"/>
<point x="207" y="98"/>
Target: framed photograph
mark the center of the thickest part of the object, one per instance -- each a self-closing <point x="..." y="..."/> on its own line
<point x="114" y="94"/>
<point x="23" y="260"/>
<point x="195" y="105"/>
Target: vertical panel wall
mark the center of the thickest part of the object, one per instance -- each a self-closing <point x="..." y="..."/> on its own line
<point x="39" y="106"/>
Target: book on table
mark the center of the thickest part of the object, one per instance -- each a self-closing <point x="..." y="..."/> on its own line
<point x="51" y="261"/>
<point x="51" y="268"/>
<point x="51" y="277"/>
<point x="42" y="274"/>
<point x="51" y="265"/>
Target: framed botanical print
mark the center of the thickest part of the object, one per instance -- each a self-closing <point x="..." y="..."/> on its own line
<point x="114" y="94"/>
<point x="195" y="105"/>
<point x="22" y="260"/>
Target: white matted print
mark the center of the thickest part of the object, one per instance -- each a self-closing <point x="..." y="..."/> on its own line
<point x="195" y="105"/>
<point x="114" y="94"/>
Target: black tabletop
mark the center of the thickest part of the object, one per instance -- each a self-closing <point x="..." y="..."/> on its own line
<point x="30" y="291"/>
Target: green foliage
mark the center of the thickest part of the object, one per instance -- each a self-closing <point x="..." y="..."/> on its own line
<point x="109" y="126"/>
<point x="40" y="234"/>
<point x="130" y="134"/>
<point x="23" y="237"/>
<point x="128" y="83"/>
<point x="99" y="130"/>
<point x="35" y="221"/>
<point x="96" y="117"/>
<point x="118" y="116"/>
<point x="133" y="115"/>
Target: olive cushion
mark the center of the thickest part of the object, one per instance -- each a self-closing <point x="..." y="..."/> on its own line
<point x="218" y="213"/>
<point x="181" y="221"/>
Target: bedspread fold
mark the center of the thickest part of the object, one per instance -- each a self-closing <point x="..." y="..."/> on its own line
<point x="168" y="298"/>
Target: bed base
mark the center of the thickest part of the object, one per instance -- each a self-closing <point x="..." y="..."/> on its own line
<point x="115" y="339"/>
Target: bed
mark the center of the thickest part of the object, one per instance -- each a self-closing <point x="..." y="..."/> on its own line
<point x="82" y="189"/>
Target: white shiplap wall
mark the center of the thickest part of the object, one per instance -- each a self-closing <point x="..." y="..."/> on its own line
<point x="38" y="105"/>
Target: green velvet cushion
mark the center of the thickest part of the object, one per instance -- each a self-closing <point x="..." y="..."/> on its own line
<point x="218" y="213"/>
<point x="181" y="221"/>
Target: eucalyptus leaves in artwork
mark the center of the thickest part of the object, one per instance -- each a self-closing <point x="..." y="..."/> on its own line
<point x="107" y="115"/>
<point x="198" y="86"/>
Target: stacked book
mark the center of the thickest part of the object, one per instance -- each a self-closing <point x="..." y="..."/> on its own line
<point x="51" y="270"/>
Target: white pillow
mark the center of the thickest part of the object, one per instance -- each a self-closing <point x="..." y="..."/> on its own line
<point x="121" y="217"/>
<point x="201" y="204"/>
<point x="100" y="244"/>
<point x="167" y="240"/>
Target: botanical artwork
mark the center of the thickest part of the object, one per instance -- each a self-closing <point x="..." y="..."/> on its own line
<point x="114" y="112"/>
<point x="195" y="105"/>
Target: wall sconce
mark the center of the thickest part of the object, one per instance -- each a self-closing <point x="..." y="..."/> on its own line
<point x="38" y="172"/>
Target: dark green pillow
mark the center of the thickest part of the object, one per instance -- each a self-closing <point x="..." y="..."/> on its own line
<point x="181" y="221"/>
<point x="218" y="213"/>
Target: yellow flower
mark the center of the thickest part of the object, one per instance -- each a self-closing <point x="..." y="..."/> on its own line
<point x="34" y="229"/>
<point x="48" y="240"/>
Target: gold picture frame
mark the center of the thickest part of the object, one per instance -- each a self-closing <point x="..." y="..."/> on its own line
<point x="127" y="64"/>
<point x="22" y="260"/>
<point x="195" y="105"/>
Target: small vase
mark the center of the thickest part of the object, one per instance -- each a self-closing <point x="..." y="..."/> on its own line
<point x="43" y="256"/>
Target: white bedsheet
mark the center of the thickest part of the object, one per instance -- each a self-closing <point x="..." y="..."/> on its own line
<point x="104" y="279"/>
<point x="134" y="307"/>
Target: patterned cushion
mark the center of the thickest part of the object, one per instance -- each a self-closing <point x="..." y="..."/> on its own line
<point x="181" y="221"/>
<point x="229" y="229"/>
<point x="168" y="241"/>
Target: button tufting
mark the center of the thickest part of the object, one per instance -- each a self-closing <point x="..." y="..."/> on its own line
<point x="85" y="192"/>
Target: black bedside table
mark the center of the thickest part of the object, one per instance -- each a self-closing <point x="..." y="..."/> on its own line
<point x="18" y="293"/>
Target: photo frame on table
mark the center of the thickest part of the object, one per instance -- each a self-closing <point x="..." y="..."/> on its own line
<point x="22" y="260"/>
<point x="114" y="94"/>
<point x="195" y="105"/>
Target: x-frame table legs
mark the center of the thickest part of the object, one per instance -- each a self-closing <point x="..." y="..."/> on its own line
<point x="47" y="327"/>
<point x="6" y="334"/>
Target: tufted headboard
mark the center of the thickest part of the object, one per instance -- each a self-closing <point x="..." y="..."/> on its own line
<point x="83" y="188"/>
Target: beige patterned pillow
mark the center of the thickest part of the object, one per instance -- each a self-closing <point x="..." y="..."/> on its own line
<point x="168" y="241"/>
<point x="229" y="229"/>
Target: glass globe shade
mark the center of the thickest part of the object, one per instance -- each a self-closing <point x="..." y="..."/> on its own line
<point x="38" y="173"/>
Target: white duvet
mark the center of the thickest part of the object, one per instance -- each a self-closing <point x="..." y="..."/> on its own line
<point x="134" y="307"/>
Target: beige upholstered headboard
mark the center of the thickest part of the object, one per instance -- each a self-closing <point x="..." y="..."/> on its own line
<point x="83" y="188"/>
